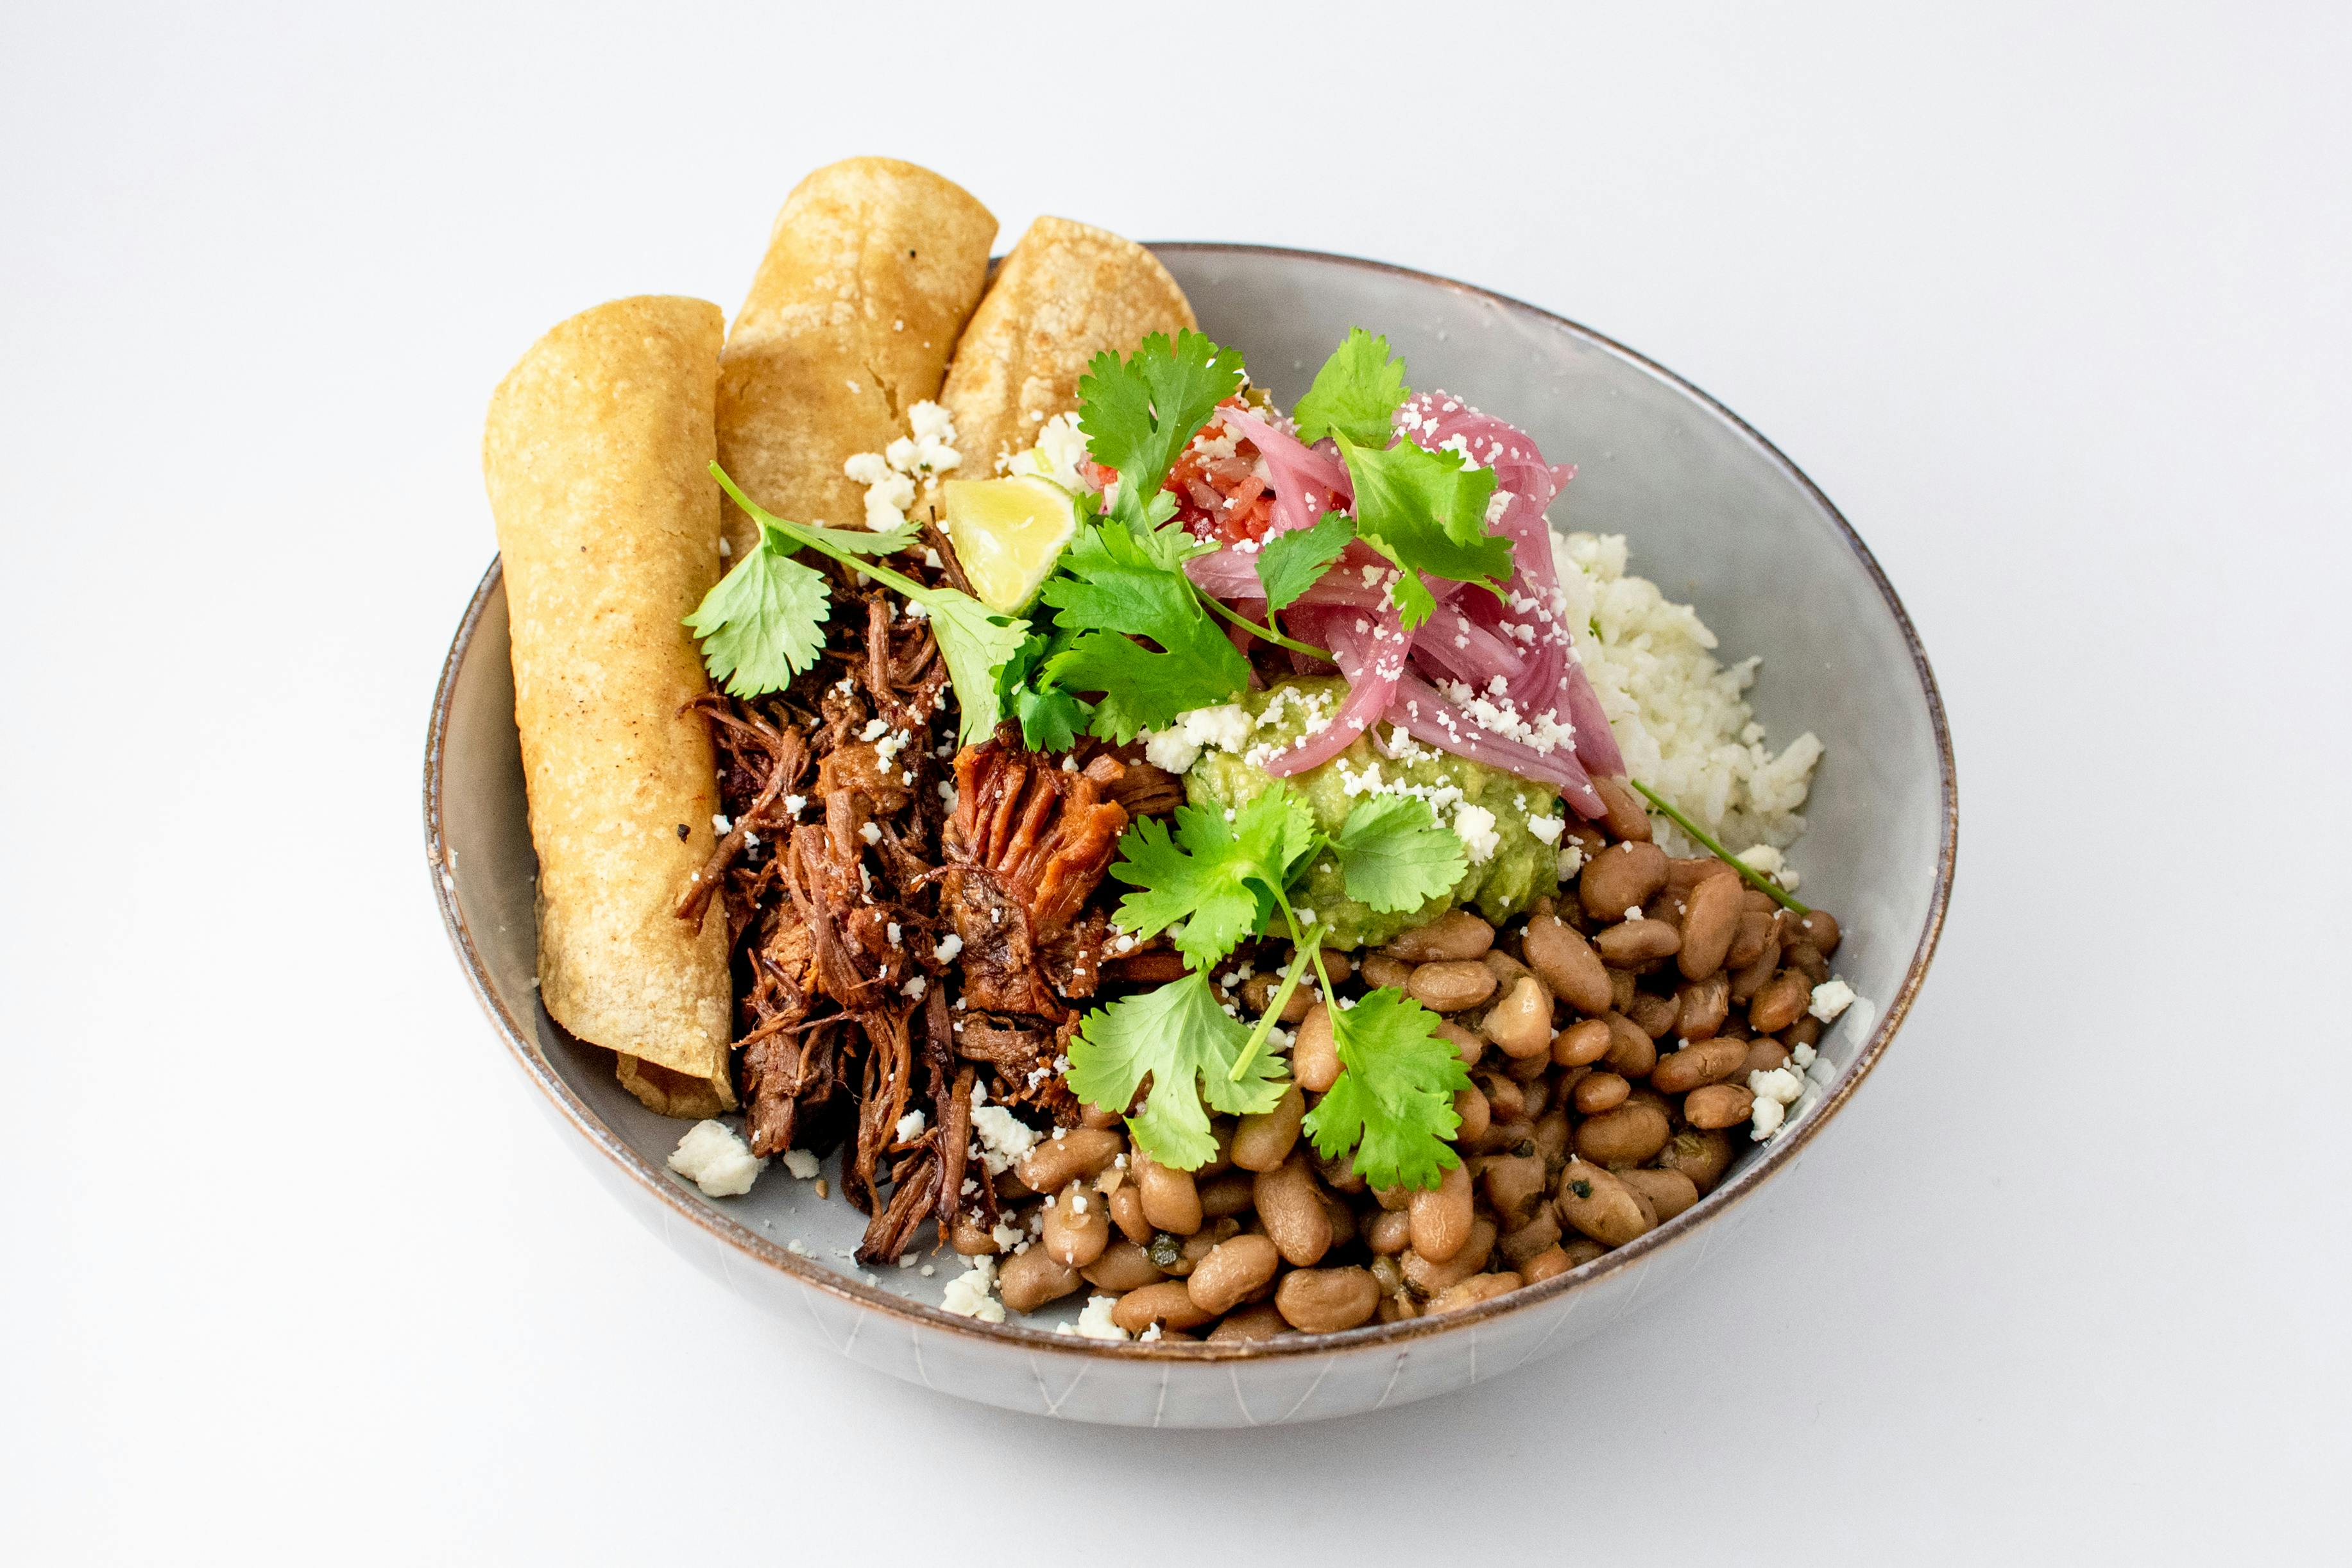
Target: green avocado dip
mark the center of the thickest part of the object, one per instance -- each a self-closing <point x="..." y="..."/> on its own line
<point x="1520" y="868"/>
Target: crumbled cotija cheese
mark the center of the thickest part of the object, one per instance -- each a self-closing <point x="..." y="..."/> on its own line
<point x="1094" y="1321"/>
<point x="1831" y="998"/>
<point x="1003" y="1137"/>
<point x="802" y="1164"/>
<point x="714" y="1157"/>
<point x="971" y="1294"/>
<point x="1226" y="727"/>
<point x="910" y="1126"/>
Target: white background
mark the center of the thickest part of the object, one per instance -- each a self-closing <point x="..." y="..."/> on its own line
<point x="2051" y="300"/>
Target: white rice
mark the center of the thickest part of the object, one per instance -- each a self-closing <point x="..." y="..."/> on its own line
<point x="1677" y="713"/>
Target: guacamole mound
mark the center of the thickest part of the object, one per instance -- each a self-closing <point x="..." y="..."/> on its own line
<point x="1521" y="869"/>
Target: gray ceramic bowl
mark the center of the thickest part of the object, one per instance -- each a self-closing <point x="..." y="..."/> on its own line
<point x="1714" y="515"/>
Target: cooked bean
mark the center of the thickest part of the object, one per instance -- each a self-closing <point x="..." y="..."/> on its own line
<point x="1620" y="878"/>
<point x="1381" y="971"/>
<point x="1550" y="1136"/>
<point x="1342" y="1217"/>
<point x="1169" y="1304"/>
<point x="1759" y="901"/>
<point x="1567" y="965"/>
<point x="1326" y="1301"/>
<point x="1290" y="1206"/>
<point x="1701" y="1006"/>
<point x="971" y="1239"/>
<point x="1390" y="1233"/>
<point x="1397" y="1308"/>
<point x="1654" y="1014"/>
<point x="1440" y="1215"/>
<point x="1513" y="1135"/>
<point x="1521" y="1022"/>
<point x="1506" y="1099"/>
<point x="1449" y="985"/>
<point x="1718" y="1105"/>
<point x="1805" y="1031"/>
<point x="1545" y="1265"/>
<point x="1820" y="929"/>
<point x="1748" y="940"/>
<point x="1171" y="1199"/>
<point x="1226" y="1194"/>
<point x="1700" y="1062"/>
<point x="1513" y="1187"/>
<point x="1600" y="1091"/>
<point x="1027" y="1280"/>
<point x="1584" y="1041"/>
<point x="1629" y="944"/>
<point x="1263" y="1139"/>
<point x="1537" y="1089"/>
<point x="1471" y="1109"/>
<point x="1337" y="965"/>
<point x="1807" y="960"/>
<point x="1710" y="919"/>
<point x="1621" y="991"/>
<point x="1781" y="1003"/>
<point x="1222" y="1130"/>
<point x="1471" y="1292"/>
<point x="1072" y="1152"/>
<point x="1456" y="935"/>
<point x="1232" y="1270"/>
<point x="1669" y="1192"/>
<point x="1389" y="1273"/>
<point x="1631" y="1052"/>
<point x="1340" y="1174"/>
<point x="1258" y="1322"/>
<point x="1540" y="1232"/>
<point x="1258" y="996"/>
<point x="1471" y="1044"/>
<point x="1624" y="813"/>
<point x="1625" y="1136"/>
<point x="1077" y="1225"/>
<point x="1746" y="982"/>
<point x="1123" y="1267"/>
<point x="1582" y="1250"/>
<point x="1426" y="1279"/>
<point x="1506" y="970"/>
<point x="1702" y="1155"/>
<point x="1314" y="1059"/>
<point x="1127" y="1213"/>
<point x="1200" y="1245"/>
<point x="1595" y="1202"/>
<point x="1764" y="1054"/>
<point x="1096" y="1116"/>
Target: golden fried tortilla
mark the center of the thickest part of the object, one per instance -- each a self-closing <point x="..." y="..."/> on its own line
<point x="597" y="454"/>
<point x="872" y="269"/>
<point x="1065" y="294"/>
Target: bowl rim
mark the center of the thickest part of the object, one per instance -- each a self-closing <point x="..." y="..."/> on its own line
<point x="1776" y="1154"/>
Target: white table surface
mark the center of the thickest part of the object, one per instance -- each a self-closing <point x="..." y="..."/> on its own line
<point x="2054" y="306"/>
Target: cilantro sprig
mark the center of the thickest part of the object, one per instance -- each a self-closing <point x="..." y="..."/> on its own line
<point x="1179" y="1036"/>
<point x="759" y="624"/>
<point x="1291" y="563"/>
<point x="1356" y="394"/>
<point x="1393" y="1106"/>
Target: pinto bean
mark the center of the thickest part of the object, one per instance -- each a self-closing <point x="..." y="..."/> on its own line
<point x="1701" y="1153"/>
<point x="1684" y="873"/>
<point x="1548" y="1264"/>
<point x="1603" y="1207"/>
<point x="1381" y="971"/>
<point x="1550" y="1136"/>
<point x="1390" y="1233"/>
<point x="1521" y="1022"/>
<point x="1342" y="1217"/>
<point x="1449" y="985"/>
<point x="1223" y="1196"/>
<point x="1781" y="1003"/>
<point x="1821" y="928"/>
<point x="1759" y="901"/>
<point x="1700" y="1062"/>
<point x="1440" y="1216"/>
<point x="1805" y="1031"/>
<point x="1471" y="1044"/>
<point x="1340" y="1174"/>
<point x="1123" y="1267"/>
<point x="1710" y="919"/>
<point x="1314" y="1058"/>
<point x="1290" y="1206"/>
<point x="1626" y="1136"/>
<point x="1764" y="1054"/>
<point x="1258" y="1322"/>
<point x="1746" y="983"/>
<point x="1629" y="944"/>
<point x="1258" y="996"/>
<point x="1077" y="1225"/>
<point x="1654" y="1014"/>
<point x="1619" y="879"/>
<point x="1098" y="1117"/>
<point x="1631" y="1052"/>
<point x="1621" y="991"/>
<point x="1470" y="1108"/>
<point x="1263" y="1139"/>
<point x="1169" y="1304"/>
<point x="1338" y="965"/>
<point x="1233" y="1268"/>
<point x="1748" y="940"/>
<point x="1426" y="1278"/>
<point x="1582" y="1042"/>
<point x="1171" y="1199"/>
<point x="1540" y="1232"/>
<point x="1127" y="1213"/>
<point x="1623" y="811"/>
<point x="1072" y="1152"/>
<point x="1600" y="1091"/>
<point x="1669" y="1192"/>
<point x="1567" y="965"/>
<point x="1513" y="1187"/>
<point x="1456" y="935"/>
<point x="1807" y="960"/>
<point x="1471" y="1292"/>
<point x="1326" y="1301"/>
<point x="1027" y="1280"/>
<point x="1701" y="1006"/>
<point x="1718" y="1105"/>
<point x="1506" y="1099"/>
<point x="971" y="1240"/>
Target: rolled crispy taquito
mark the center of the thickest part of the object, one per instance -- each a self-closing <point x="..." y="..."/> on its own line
<point x="597" y="455"/>
<point x="872" y="269"/>
<point x="1065" y="293"/>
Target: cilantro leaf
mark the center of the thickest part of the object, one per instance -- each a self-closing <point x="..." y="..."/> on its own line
<point x="1395" y="855"/>
<point x="1291" y="563"/>
<point x="1114" y="586"/>
<point x="1220" y="878"/>
<point x="1051" y="719"/>
<point x="1394" y="1102"/>
<point x="1426" y="512"/>
<point x="761" y="624"/>
<point x="1356" y="394"/>
<point x="1188" y="1045"/>
<point x="976" y="642"/>
<point x="1138" y="412"/>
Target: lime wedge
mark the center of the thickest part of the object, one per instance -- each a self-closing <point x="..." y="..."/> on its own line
<point x="1009" y="533"/>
